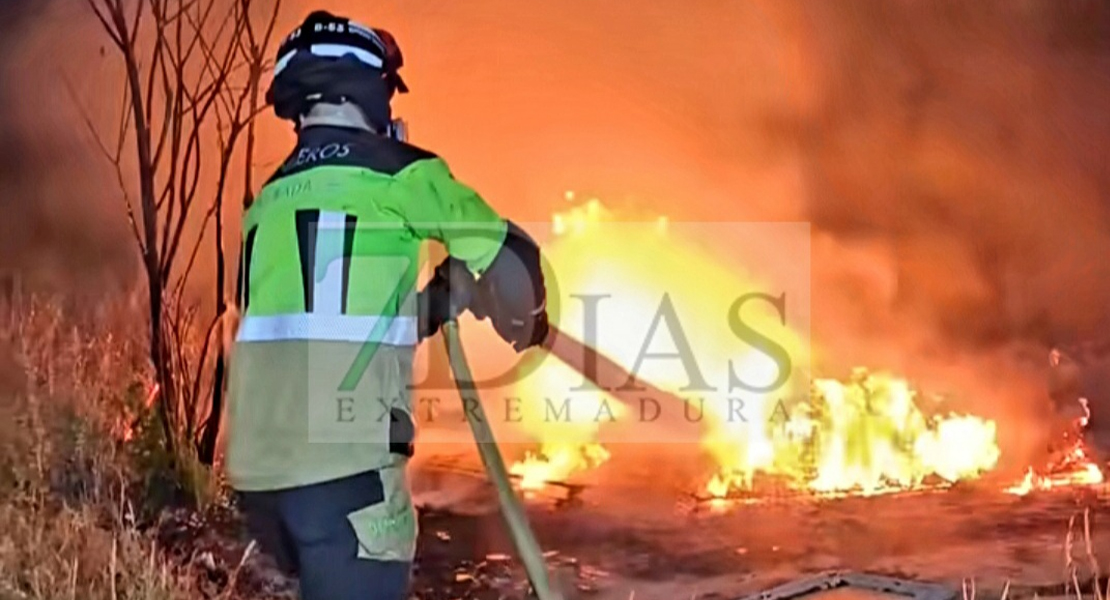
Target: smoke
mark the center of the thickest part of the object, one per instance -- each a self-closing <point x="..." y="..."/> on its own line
<point x="963" y="144"/>
<point x="15" y="171"/>
<point x="950" y="156"/>
<point x="967" y="138"/>
<point x="61" y="227"/>
<point x="957" y="146"/>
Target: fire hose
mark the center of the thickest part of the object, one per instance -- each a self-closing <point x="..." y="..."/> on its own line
<point x="511" y="507"/>
<point x="598" y="369"/>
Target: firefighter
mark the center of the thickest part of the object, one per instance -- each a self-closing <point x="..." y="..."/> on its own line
<point x="320" y="417"/>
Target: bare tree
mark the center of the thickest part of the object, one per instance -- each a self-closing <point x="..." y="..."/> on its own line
<point x="192" y="74"/>
<point x="236" y="119"/>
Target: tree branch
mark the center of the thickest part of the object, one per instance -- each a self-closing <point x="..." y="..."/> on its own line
<point x="113" y="157"/>
<point x="104" y="23"/>
<point x="197" y="68"/>
<point x="135" y="22"/>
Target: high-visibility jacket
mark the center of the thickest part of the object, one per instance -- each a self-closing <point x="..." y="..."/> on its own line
<point x="322" y="364"/>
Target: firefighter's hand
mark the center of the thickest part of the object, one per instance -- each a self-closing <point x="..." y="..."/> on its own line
<point x="513" y="294"/>
<point x="448" y="294"/>
<point x="521" y="325"/>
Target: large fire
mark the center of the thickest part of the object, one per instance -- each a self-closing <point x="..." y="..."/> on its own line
<point x="869" y="434"/>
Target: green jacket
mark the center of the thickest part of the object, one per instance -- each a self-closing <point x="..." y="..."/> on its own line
<point x="322" y="365"/>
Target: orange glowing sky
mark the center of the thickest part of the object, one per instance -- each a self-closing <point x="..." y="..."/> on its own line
<point x="950" y="156"/>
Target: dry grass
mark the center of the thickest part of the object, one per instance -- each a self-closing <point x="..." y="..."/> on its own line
<point x="1071" y="568"/>
<point x="1088" y="586"/>
<point x="71" y="553"/>
<point x="74" y="500"/>
<point x="72" y="495"/>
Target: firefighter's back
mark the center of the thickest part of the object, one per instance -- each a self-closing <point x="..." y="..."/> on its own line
<point x="319" y="386"/>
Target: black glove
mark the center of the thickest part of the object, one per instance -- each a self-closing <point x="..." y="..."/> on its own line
<point x="448" y="294"/>
<point x="512" y="292"/>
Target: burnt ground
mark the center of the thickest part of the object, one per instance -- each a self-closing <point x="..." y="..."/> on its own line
<point x="636" y="536"/>
<point x="642" y="534"/>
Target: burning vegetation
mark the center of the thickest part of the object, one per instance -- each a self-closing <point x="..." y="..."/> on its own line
<point x="866" y="435"/>
<point x="977" y="119"/>
<point x="870" y="433"/>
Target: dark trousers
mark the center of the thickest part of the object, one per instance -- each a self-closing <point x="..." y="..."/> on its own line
<point x="306" y="530"/>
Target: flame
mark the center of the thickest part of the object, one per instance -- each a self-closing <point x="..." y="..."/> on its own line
<point x="566" y="427"/>
<point x="866" y="435"/>
<point x="124" y="427"/>
<point x="1087" y="474"/>
<point x="635" y="266"/>
<point x="869" y="434"/>
<point x="1072" y="467"/>
<point x="555" y="462"/>
<point x="586" y="259"/>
